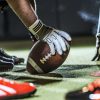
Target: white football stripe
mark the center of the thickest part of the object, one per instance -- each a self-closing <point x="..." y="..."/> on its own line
<point x="35" y="66"/>
<point x="7" y="89"/>
<point x="2" y="93"/>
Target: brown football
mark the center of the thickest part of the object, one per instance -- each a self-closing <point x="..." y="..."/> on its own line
<point x="40" y="60"/>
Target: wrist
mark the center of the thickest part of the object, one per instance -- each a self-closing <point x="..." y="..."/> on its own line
<point x="39" y="30"/>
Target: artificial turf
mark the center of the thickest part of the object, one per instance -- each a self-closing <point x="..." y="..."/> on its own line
<point x="72" y="75"/>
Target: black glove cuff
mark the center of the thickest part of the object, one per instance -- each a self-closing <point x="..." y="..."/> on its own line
<point x="39" y="30"/>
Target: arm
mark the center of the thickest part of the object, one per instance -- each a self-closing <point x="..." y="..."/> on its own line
<point x="56" y="39"/>
<point x="24" y="10"/>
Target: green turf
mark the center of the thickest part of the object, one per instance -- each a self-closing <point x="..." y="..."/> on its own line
<point x="72" y="75"/>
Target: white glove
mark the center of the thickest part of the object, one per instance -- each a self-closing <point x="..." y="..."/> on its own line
<point x="56" y="39"/>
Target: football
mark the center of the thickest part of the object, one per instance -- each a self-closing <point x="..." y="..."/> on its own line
<point x="40" y="60"/>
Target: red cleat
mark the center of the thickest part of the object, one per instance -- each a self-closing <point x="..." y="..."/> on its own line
<point x="13" y="90"/>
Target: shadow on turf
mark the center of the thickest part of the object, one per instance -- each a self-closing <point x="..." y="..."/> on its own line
<point x="40" y="79"/>
<point x="75" y="67"/>
<point x="43" y="79"/>
<point x="75" y="71"/>
<point x="65" y="71"/>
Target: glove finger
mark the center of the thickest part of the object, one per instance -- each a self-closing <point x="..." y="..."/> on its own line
<point x="67" y="44"/>
<point x="58" y="47"/>
<point x="52" y="48"/>
<point x="56" y="44"/>
<point x="61" y="42"/>
<point x="64" y="35"/>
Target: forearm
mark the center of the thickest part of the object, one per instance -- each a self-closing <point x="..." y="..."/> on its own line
<point x="24" y="10"/>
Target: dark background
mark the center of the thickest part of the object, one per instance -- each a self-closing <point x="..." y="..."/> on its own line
<point x="78" y="17"/>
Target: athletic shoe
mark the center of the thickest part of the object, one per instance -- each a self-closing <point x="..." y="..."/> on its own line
<point x="14" y="90"/>
<point x="6" y="59"/>
<point x="17" y="60"/>
<point x="6" y="66"/>
<point x="14" y="58"/>
<point x="79" y="95"/>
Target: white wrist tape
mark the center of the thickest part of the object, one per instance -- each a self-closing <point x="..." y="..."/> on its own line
<point x="36" y="27"/>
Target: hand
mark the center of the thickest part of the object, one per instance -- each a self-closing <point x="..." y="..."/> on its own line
<point x="92" y="86"/>
<point x="57" y="40"/>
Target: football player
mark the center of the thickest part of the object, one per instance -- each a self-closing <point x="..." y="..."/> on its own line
<point x="26" y="11"/>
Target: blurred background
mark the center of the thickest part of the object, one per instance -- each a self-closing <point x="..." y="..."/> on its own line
<point x="78" y="17"/>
